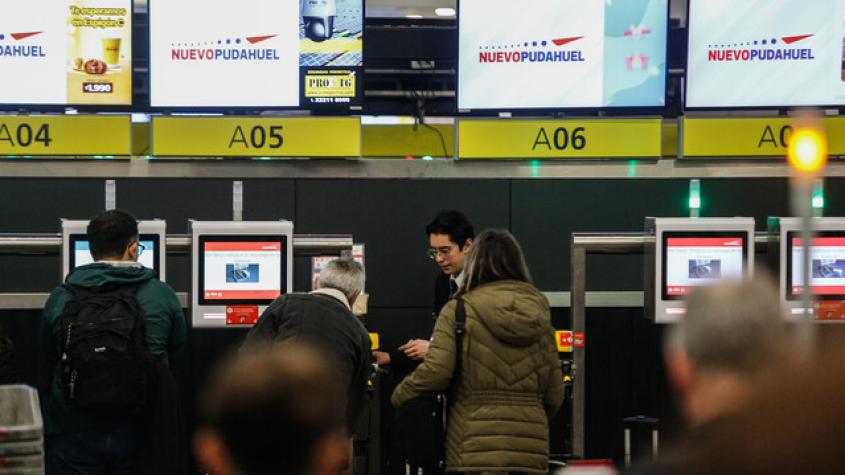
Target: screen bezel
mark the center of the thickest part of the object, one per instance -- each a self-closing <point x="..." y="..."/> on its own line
<point x="790" y="235"/>
<point x="664" y="247"/>
<point x="546" y="111"/>
<point x="686" y="88"/>
<point x="80" y="237"/>
<point x="61" y="107"/>
<point x="342" y="109"/>
<point x="282" y="239"/>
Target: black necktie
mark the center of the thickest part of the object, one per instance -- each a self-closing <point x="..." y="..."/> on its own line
<point x="453" y="288"/>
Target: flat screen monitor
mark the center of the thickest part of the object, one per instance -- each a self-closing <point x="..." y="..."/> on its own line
<point x="66" y="52"/>
<point x="242" y="269"/>
<point x="692" y="259"/>
<point x="561" y="54"/>
<point x="827" y="266"/>
<point x="256" y="54"/>
<point x="765" y="53"/>
<point x="148" y="251"/>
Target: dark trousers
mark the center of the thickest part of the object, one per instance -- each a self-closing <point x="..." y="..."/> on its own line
<point x="92" y="452"/>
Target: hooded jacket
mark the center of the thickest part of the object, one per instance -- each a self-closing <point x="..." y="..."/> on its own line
<point x="510" y="383"/>
<point x="165" y="331"/>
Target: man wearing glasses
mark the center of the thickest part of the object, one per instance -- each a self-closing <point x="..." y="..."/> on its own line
<point x="90" y="425"/>
<point x="450" y="237"/>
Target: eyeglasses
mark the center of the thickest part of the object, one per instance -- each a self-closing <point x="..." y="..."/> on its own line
<point x="433" y="252"/>
<point x="141" y="248"/>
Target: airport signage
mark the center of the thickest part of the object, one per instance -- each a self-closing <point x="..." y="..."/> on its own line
<point x="564" y="340"/>
<point x="559" y="139"/>
<point x="749" y="137"/>
<point x="335" y="137"/>
<point x="74" y="135"/>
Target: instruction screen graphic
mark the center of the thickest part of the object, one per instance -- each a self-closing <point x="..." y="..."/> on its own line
<point x="242" y="270"/>
<point x="827" y="266"/>
<point x="545" y="54"/>
<point x="256" y="53"/>
<point x="66" y="52"/>
<point x="766" y="53"/>
<point x="695" y="261"/>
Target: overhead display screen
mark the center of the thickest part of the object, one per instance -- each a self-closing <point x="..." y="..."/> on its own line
<point x="827" y="266"/>
<point x="242" y="270"/>
<point x="695" y="260"/>
<point x="765" y="53"/>
<point x="256" y="53"/>
<point x="553" y="54"/>
<point x="66" y="52"/>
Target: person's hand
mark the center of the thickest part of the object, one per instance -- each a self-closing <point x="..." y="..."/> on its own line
<point x="381" y="358"/>
<point x="415" y="349"/>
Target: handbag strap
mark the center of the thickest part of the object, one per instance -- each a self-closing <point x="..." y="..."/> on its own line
<point x="460" y="330"/>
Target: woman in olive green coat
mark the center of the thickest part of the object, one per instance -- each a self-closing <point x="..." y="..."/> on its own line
<point x="510" y="383"/>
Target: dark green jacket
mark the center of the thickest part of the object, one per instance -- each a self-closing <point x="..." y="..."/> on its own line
<point x="165" y="333"/>
<point x="510" y="383"/>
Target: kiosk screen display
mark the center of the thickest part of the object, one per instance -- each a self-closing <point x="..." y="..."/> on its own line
<point x="80" y="251"/>
<point x="256" y="53"/>
<point x="552" y="54"/>
<point x="827" y="266"/>
<point x="765" y="53"/>
<point x="242" y="269"/>
<point x="695" y="259"/>
<point x="66" y="52"/>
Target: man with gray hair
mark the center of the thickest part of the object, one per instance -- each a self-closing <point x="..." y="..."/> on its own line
<point x="323" y="318"/>
<point x="733" y="334"/>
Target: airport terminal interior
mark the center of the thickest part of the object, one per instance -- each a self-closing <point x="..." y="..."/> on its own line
<point x="637" y="150"/>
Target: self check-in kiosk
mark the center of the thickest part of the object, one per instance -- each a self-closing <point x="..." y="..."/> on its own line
<point x="239" y="268"/>
<point x="827" y="267"/>
<point x="152" y="235"/>
<point x="692" y="252"/>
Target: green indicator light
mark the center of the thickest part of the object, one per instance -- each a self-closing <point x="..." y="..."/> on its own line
<point x="535" y="168"/>
<point x="428" y="158"/>
<point x="818" y="194"/>
<point x="632" y="169"/>
<point x="695" y="194"/>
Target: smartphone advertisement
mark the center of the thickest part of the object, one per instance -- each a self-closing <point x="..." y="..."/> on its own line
<point x="766" y="53"/>
<point x="827" y="266"/>
<point x="242" y="270"/>
<point x="75" y="52"/>
<point x="255" y="53"/>
<point x="544" y="54"/>
<point x="696" y="261"/>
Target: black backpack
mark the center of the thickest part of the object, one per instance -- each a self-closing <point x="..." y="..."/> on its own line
<point x="106" y="365"/>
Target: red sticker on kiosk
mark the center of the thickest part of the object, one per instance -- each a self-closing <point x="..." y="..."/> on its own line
<point x="579" y="340"/>
<point x="829" y="310"/>
<point x="564" y="341"/>
<point x="241" y="314"/>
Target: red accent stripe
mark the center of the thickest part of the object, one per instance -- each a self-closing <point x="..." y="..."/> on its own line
<point x="794" y="39"/>
<point x="21" y="36"/>
<point x="563" y="41"/>
<point x="259" y="39"/>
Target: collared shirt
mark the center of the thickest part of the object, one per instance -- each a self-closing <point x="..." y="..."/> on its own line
<point x="333" y="293"/>
<point x="455" y="283"/>
<point x="122" y="263"/>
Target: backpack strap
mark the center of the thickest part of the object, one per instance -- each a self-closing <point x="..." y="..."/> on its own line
<point x="460" y="331"/>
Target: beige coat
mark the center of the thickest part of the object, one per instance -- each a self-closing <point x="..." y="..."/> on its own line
<point x="510" y="383"/>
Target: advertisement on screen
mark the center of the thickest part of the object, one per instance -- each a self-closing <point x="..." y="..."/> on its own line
<point x="75" y="52"/>
<point x="146" y="253"/>
<point x="255" y="53"/>
<point x="242" y="270"/>
<point x="696" y="261"/>
<point x="827" y="266"/>
<point x="766" y="53"/>
<point x="542" y="54"/>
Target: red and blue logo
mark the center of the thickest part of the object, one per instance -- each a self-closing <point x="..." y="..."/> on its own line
<point x="535" y="51"/>
<point x="766" y="49"/>
<point x="229" y="49"/>
<point x="15" y="45"/>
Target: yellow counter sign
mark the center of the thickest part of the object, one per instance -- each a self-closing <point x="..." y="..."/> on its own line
<point x="256" y="137"/>
<point x="65" y="135"/>
<point x="749" y="137"/>
<point x="539" y="139"/>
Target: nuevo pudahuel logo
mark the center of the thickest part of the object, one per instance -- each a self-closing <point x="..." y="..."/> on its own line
<point x="534" y="51"/>
<point x="766" y="49"/>
<point x="20" y="45"/>
<point x="248" y="48"/>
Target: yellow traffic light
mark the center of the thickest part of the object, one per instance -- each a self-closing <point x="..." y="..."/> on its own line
<point x="807" y="150"/>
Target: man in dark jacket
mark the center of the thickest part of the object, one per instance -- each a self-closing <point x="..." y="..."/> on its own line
<point x="324" y="318"/>
<point x="84" y="441"/>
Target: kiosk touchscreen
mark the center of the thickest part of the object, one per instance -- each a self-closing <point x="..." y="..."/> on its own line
<point x="151" y="250"/>
<point x="826" y="270"/>
<point x="689" y="253"/>
<point x="239" y="268"/>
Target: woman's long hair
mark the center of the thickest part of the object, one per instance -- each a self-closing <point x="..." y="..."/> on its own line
<point x="495" y="255"/>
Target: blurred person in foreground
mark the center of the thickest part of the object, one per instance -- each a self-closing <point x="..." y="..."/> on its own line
<point x="276" y="411"/>
<point x="509" y="384"/>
